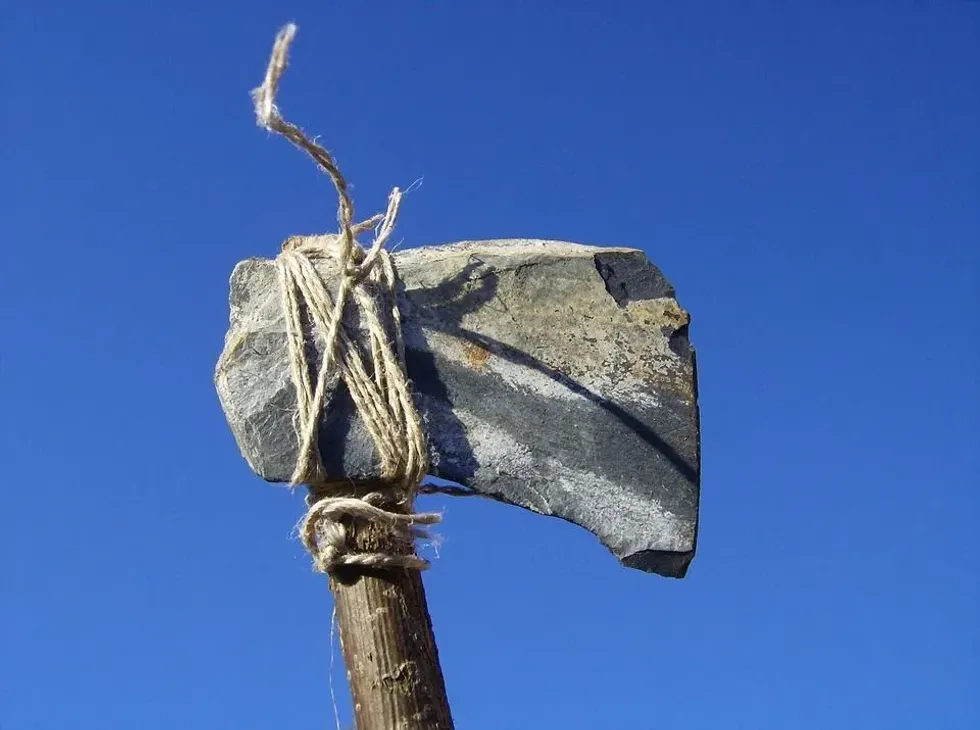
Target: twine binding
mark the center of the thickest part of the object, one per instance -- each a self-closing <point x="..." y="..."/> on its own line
<point x="375" y="379"/>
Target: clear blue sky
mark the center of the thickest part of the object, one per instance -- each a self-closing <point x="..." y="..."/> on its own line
<point x="807" y="174"/>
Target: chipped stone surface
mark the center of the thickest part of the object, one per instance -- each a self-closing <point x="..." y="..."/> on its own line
<point x="553" y="376"/>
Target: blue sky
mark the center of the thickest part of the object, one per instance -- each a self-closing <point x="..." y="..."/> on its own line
<point x="806" y="174"/>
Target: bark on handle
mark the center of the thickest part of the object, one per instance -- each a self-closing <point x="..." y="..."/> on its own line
<point x="388" y="643"/>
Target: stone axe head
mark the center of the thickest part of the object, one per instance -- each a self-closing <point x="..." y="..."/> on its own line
<point x="554" y="376"/>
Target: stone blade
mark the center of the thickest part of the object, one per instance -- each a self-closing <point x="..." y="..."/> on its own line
<point x="554" y="376"/>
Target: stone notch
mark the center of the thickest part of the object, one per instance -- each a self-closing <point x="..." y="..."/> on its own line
<point x="553" y="376"/>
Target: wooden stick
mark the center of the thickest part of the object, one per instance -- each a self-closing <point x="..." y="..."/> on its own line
<point x="387" y="639"/>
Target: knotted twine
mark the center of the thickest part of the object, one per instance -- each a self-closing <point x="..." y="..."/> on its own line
<point x="378" y="388"/>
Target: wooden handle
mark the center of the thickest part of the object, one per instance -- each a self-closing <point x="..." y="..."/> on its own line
<point x="387" y="639"/>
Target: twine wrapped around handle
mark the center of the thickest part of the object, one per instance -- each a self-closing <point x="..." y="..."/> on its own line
<point x="375" y="378"/>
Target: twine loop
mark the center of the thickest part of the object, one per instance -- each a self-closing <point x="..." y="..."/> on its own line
<point x="370" y="365"/>
<point x="325" y="536"/>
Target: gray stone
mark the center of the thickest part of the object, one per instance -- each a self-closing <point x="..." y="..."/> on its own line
<point x="553" y="376"/>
